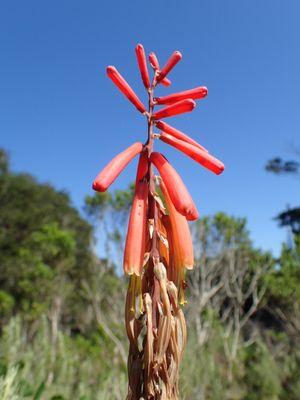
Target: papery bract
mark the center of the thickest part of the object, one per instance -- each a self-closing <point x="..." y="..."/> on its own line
<point x="170" y="64"/>
<point x="141" y="58"/>
<point x="121" y="83"/>
<point x="113" y="169"/>
<point x="180" y="107"/>
<point x="178" y="193"/>
<point x="136" y="233"/>
<point x="196" y="93"/>
<point x="164" y="246"/>
<point x="178" y="134"/>
<point x="198" y="155"/>
<point x="172" y="270"/>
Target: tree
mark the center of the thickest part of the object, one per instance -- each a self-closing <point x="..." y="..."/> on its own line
<point x="44" y="244"/>
<point x="284" y="290"/>
<point x="109" y="211"/>
<point x="228" y="284"/>
<point x="291" y="216"/>
<point x="279" y="166"/>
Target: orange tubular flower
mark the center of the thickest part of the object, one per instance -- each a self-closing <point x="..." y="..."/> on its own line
<point x="113" y="169"/>
<point x="155" y="65"/>
<point x="180" y="107"/>
<point x="170" y="64"/>
<point x="196" y="93"/>
<point x="137" y="232"/>
<point x="181" y="234"/>
<point x="181" y="242"/>
<point x="141" y="58"/>
<point x="177" y="134"/>
<point x="176" y="188"/>
<point x="121" y="83"/>
<point x="200" y="156"/>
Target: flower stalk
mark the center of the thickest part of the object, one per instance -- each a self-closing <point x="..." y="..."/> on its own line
<point x="158" y="248"/>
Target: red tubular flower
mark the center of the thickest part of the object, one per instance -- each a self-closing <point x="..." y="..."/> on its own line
<point x="170" y="64"/>
<point x="202" y="157"/>
<point x="180" y="107"/>
<point x="196" y="93"/>
<point x="177" y="191"/>
<point x="142" y="168"/>
<point x="113" y="169"/>
<point x="154" y="61"/>
<point x="155" y="65"/>
<point x="121" y="83"/>
<point x="166" y="82"/>
<point x="141" y="58"/>
<point x="137" y="231"/>
<point x="177" y="134"/>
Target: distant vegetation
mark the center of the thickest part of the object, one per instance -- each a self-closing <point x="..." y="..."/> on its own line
<point x="61" y="307"/>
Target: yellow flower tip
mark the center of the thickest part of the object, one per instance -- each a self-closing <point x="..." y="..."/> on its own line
<point x="189" y="266"/>
<point x="141" y="310"/>
<point x="130" y="271"/>
<point x="182" y="302"/>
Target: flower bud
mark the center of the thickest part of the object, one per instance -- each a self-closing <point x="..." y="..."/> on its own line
<point x="170" y="64"/>
<point x="180" y="107"/>
<point x="200" y="156"/>
<point x="177" y="191"/>
<point x="178" y="134"/>
<point x="196" y="93"/>
<point x="142" y="168"/>
<point x="155" y="65"/>
<point x="113" y="169"/>
<point x="166" y="82"/>
<point x="141" y="58"/>
<point x="154" y="61"/>
<point x="121" y="83"/>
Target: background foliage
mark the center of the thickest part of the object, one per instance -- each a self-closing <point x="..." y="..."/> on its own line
<point x="61" y="307"/>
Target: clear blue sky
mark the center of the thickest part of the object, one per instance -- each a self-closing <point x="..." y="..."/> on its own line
<point x="62" y="119"/>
